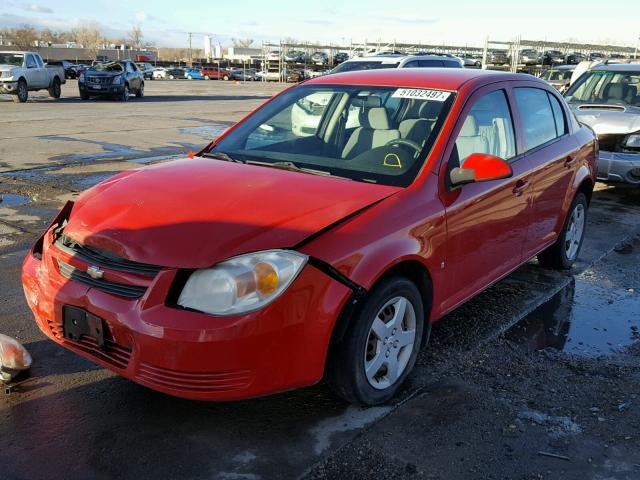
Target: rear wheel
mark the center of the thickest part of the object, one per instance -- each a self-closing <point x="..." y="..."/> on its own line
<point x="140" y="92"/>
<point x="22" y="94"/>
<point x="380" y="346"/>
<point x="54" y="90"/>
<point x="564" y="251"/>
<point x="226" y="77"/>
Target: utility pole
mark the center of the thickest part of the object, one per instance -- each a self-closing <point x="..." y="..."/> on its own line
<point x="190" y="58"/>
<point x="635" y="54"/>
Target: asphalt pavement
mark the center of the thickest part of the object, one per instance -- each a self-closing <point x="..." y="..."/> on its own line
<point x="514" y="384"/>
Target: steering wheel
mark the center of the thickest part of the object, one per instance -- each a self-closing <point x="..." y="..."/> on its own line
<point x="403" y="141"/>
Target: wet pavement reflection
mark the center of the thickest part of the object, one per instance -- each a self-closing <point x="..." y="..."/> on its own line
<point x="583" y="319"/>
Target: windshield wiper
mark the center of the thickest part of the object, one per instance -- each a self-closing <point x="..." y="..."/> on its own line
<point x="292" y="167"/>
<point x="221" y="156"/>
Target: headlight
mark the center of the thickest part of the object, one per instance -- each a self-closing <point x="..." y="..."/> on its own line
<point x="242" y="284"/>
<point x="632" y="141"/>
<point x="117" y="80"/>
<point x="7" y="74"/>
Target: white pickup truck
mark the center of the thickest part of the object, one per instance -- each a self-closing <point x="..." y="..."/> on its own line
<point x="21" y="72"/>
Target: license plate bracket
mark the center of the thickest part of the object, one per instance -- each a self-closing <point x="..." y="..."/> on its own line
<point x="77" y="322"/>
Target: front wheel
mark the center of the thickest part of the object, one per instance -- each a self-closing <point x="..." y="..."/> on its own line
<point x="22" y="94"/>
<point x="125" y="94"/>
<point x="380" y="346"/>
<point x="564" y="252"/>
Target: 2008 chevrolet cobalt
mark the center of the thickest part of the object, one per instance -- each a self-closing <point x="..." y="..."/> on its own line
<point x="319" y="237"/>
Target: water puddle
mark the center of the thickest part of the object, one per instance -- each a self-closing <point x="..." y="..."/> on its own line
<point x="12" y="200"/>
<point x="583" y="319"/>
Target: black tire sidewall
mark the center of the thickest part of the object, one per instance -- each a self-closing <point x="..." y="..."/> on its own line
<point x="354" y="343"/>
<point x="22" y="86"/>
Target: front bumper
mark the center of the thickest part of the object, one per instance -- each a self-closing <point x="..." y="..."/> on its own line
<point x="619" y="167"/>
<point x="190" y="354"/>
<point x="8" y="87"/>
<point x="89" y="89"/>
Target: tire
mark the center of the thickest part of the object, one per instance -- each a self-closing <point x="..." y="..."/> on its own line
<point x="207" y="77"/>
<point x="360" y="346"/>
<point x="140" y="92"/>
<point x="225" y="78"/>
<point x="55" y="90"/>
<point x="84" y="96"/>
<point x="189" y="77"/>
<point x="23" y="92"/>
<point x="564" y="252"/>
<point x="124" y="96"/>
<point x="171" y="77"/>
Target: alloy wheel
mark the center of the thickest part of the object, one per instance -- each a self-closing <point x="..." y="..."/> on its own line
<point x="575" y="231"/>
<point x="390" y="343"/>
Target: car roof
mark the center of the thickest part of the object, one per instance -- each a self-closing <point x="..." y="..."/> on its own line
<point x="564" y="67"/>
<point x="436" y="78"/>
<point x="618" y="67"/>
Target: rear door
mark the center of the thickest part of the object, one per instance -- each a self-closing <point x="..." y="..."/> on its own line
<point x="486" y="222"/>
<point x="552" y="154"/>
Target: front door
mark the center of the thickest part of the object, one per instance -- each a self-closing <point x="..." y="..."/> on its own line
<point x="486" y="222"/>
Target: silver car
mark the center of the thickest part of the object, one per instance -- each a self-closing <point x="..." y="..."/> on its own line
<point x="607" y="98"/>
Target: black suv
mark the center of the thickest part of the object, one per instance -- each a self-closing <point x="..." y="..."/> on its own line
<point x="114" y="79"/>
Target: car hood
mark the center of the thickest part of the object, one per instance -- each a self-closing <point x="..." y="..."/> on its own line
<point x="102" y="73"/>
<point x="605" y="121"/>
<point x="194" y="213"/>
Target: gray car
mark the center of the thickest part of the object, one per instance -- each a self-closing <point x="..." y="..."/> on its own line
<point x="607" y="98"/>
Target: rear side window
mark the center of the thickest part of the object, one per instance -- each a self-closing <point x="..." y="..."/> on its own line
<point x="536" y="116"/>
<point x="558" y="115"/>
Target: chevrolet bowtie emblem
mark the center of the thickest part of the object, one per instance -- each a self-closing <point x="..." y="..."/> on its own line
<point x="95" y="272"/>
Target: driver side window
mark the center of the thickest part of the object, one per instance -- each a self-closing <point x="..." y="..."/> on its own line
<point x="487" y="128"/>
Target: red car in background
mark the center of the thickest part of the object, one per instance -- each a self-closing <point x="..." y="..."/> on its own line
<point x="215" y="73"/>
<point x="321" y="236"/>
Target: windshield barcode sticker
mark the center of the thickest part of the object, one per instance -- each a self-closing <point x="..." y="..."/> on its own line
<point x="421" y="94"/>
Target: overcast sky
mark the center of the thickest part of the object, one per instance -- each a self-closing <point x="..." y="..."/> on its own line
<point x="410" y="21"/>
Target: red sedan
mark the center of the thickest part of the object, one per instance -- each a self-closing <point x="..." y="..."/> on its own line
<point x="321" y="236"/>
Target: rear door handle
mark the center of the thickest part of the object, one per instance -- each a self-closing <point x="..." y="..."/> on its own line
<point x="521" y="186"/>
<point x="570" y="160"/>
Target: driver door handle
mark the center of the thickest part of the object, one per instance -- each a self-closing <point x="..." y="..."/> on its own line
<point x="521" y="186"/>
<point x="569" y="161"/>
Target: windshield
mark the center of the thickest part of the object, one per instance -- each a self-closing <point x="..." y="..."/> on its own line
<point x="109" y="67"/>
<point x="369" y="134"/>
<point x="372" y="65"/>
<point x="11" y="59"/>
<point x="551" y="75"/>
<point x="606" y="88"/>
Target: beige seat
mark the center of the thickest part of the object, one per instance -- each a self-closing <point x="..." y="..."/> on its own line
<point x="619" y="92"/>
<point x="374" y="132"/>
<point x="419" y="129"/>
<point x="470" y="141"/>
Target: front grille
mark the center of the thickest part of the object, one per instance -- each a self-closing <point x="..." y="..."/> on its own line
<point x="120" y="289"/>
<point x="104" y="259"/>
<point x="194" y="381"/>
<point x="112" y="353"/>
<point x="99" y="80"/>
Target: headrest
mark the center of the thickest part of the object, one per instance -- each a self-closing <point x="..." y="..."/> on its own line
<point x="378" y="118"/>
<point x="368" y="102"/>
<point x="430" y="110"/>
<point x="469" y="127"/>
<point x="616" y="90"/>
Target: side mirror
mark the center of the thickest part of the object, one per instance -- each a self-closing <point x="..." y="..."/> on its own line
<point x="480" y="167"/>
